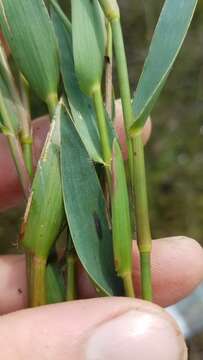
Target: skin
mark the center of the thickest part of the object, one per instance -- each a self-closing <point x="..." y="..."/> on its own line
<point x="177" y="266"/>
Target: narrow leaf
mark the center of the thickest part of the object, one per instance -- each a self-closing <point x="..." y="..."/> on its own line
<point x="86" y="212"/>
<point x="88" y="43"/>
<point x="28" y="30"/>
<point x="121" y="224"/>
<point x="169" y="35"/>
<point x="44" y="215"/>
<point x="81" y="105"/>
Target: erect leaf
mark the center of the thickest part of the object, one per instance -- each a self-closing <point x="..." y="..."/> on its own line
<point x="44" y="215"/>
<point x="121" y="224"/>
<point x="88" y="43"/>
<point x="81" y="105"/>
<point x="86" y="212"/>
<point x="28" y="30"/>
<point x="169" y="35"/>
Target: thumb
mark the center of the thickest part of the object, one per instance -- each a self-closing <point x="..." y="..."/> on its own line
<point x="96" y="329"/>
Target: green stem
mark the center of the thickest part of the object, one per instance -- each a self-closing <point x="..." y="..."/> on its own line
<point x="145" y="260"/>
<point x="108" y="73"/>
<point x="26" y="133"/>
<point x="71" y="292"/>
<point x="27" y="154"/>
<point x="103" y="131"/>
<point x="143" y="226"/>
<point x="128" y="285"/>
<point x="121" y="64"/>
<point x="71" y="277"/>
<point x="135" y="149"/>
<point x="102" y="125"/>
<point x="37" y="281"/>
<point x="142" y="215"/>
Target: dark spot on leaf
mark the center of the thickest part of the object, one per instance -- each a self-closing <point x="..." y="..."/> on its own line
<point x="98" y="225"/>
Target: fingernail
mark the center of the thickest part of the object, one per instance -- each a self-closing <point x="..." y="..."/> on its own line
<point x="137" y="335"/>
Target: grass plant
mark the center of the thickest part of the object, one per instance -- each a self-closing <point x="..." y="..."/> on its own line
<point x="72" y="61"/>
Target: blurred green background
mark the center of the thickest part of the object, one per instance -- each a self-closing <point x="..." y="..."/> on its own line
<point x="174" y="155"/>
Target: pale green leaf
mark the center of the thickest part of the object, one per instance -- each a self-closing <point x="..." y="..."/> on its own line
<point x="45" y="215"/>
<point x="29" y="32"/>
<point x="80" y="105"/>
<point x="89" y="41"/>
<point x="168" y="37"/>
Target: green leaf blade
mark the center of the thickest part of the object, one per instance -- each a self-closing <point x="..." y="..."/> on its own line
<point x="28" y="30"/>
<point x="45" y="215"/>
<point x="88" y="43"/>
<point x="168" y="38"/>
<point x="86" y="212"/>
<point x="80" y="105"/>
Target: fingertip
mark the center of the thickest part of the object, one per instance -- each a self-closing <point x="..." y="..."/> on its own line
<point x="143" y="332"/>
<point x="147" y="130"/>
<point x="105" y="328"/>
<point x="177" y="268"/>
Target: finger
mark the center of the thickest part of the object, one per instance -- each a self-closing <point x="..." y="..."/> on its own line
<point x="10" y="189"/>
<point x="119" y="126"/>
<point x="108" y="328"/>
<point x="177" y="267"/>
<point x="13" y="286"/>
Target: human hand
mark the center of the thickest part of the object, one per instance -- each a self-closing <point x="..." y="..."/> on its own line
<point x="102" y="328"/>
